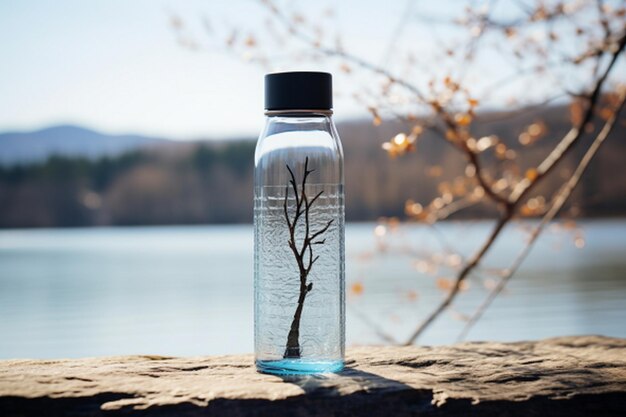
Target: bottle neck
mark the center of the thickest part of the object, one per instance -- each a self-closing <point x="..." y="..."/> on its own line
<point x="299" y="113"/>
<point x="310" y="120"/>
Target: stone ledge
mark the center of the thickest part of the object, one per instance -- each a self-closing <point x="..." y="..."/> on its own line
<point x="566" y="376"/>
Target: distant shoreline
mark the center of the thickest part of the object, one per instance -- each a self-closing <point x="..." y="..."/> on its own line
<point x="409" y="223"/>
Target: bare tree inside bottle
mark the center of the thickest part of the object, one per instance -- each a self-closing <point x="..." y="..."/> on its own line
<point x="304" y="255"/>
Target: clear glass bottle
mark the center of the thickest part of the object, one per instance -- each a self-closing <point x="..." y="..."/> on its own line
<point x="299" y="230"/>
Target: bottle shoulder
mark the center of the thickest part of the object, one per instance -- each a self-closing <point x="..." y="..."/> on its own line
<point x="285" y="143"/>
<point x="293" y="136"/>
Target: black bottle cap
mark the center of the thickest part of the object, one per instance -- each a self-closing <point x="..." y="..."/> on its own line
<point x="298" y="91"/>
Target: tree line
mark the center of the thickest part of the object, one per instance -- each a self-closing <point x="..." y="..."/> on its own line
<point x="209" y="182"/>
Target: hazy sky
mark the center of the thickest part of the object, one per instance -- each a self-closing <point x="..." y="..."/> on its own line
<point x="115" y="65"/>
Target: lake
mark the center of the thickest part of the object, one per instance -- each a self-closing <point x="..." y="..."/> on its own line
<point x="189" y="290"/>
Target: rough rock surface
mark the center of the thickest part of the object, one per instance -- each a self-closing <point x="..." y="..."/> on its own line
<point x="564" y="376"/>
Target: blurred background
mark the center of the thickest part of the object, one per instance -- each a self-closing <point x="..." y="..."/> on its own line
<point x="127" y="136"/>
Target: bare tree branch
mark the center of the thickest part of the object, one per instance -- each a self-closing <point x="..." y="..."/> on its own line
<point x="557" y="204"/>
<point x="508" y="209"/>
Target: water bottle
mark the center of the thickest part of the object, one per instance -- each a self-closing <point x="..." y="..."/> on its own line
<point x="299" y="260"/>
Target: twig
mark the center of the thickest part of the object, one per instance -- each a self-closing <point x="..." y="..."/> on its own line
<point x="454" y="207"/>
<point x="406" y="15"/>
<point x="472" y="158"/>
<point x="341" y="53"/>
<point x="473" y="262"/>
<point x="569" y="140"/>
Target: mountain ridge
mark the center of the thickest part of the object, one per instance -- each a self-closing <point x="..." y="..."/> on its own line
<point x="19" y="147"/>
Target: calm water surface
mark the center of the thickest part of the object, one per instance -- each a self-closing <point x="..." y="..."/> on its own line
<point x="188" y="290"/>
